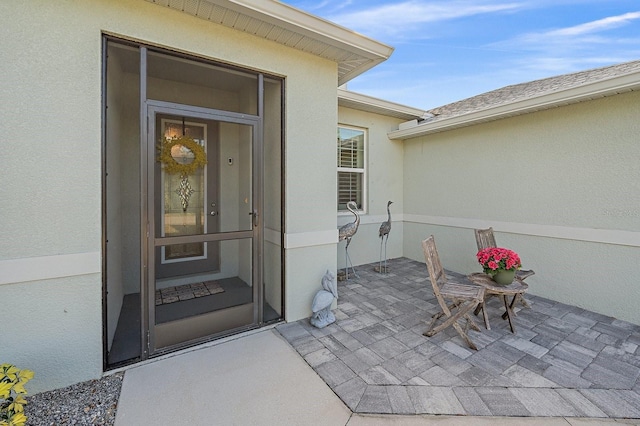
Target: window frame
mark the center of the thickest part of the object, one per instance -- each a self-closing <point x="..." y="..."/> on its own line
<point x="363" y="171"/>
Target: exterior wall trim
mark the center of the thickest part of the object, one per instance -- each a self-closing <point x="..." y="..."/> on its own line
<point x="367" y="219"/>
<point x="309" y="239"/>
<point x="14" y="271"/>
<point x="605" y="236"/>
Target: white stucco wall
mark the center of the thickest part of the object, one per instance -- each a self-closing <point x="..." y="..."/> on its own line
<point x="384" y="183"/>
<point x="51" y="123"/>
<point x="560" y="187"/>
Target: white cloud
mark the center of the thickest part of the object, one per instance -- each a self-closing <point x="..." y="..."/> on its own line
<point x="402" y="16"/>
<point x="582" y="34"/>
<point x="443" y="53"/>
<point x="595" y="26"/>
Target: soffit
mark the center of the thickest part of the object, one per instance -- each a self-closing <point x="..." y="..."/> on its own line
<point x="286" y="25"/>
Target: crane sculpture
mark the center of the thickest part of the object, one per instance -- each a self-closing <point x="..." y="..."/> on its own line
<point x="385" y="228"/>
<point x="346" y="232"/>
<point x="321" y="305"/>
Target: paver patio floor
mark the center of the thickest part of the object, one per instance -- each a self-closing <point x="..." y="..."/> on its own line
<point x="562" y="361"/>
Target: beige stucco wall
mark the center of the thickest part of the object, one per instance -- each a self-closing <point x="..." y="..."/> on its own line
<point x="311" y="180"/>
<point x="559" y="186"/>
<point x="384" y="183"/>
<point x="49" y="327"/>
<point x="51" y="125"/>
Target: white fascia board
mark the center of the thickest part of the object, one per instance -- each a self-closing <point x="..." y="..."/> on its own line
<point x="384" y="107"/>
<point x="296" y="20"/>
<point x="599" y="89"/>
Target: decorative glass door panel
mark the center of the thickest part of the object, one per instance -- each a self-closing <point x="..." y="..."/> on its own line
<point x="186" y="193"/>
<point x="183" y="195"/>
<point x="204" y="223"/>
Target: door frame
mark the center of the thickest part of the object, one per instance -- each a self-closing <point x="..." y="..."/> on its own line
<point x="264" y="80"/>
<point x="153" y="334"/>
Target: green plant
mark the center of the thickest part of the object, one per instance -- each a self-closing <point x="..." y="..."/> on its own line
<point x="12" y="402"/>
<point x="495" y="259"/>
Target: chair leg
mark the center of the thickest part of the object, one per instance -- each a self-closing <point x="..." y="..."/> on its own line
<point x="472" y="324"/>
<point x="485" y="316"/>
<point x="434" y="319"/>
<point x="482" y="307"/>
<point x="435" y="330"/>
<point x="439" y="315"/>
<point x="463" y="311"/>
<point x="464" y="336"/>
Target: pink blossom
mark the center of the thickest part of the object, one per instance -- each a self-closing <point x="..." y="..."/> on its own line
<point x="497" y="258"/>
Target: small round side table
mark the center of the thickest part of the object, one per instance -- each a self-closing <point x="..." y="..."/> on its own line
<point x="517" y="287"/>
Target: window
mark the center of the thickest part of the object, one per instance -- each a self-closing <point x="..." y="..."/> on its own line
<point x="351" y="167"/>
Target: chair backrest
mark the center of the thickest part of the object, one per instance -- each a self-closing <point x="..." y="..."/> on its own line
<point x="436" y="272"/>
<point x="485" y="238"/>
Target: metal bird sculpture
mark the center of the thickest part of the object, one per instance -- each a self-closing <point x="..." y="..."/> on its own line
<point x="321" y="305"/>
<point x="346" y="232"/>
<point x="382" y="233"/>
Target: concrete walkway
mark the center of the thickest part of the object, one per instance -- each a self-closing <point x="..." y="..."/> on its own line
<point x="259" y="379"/>
<point x="253" y="380"/>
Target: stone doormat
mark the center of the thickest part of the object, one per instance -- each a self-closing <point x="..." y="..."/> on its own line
<point x="187" y="291"/>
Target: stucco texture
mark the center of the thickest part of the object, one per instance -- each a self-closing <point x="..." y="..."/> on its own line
<point x="384" y="183"/>
<point x="569" y="168"/>
<point x="51" y="130"/>
<point x="53" y="328"/>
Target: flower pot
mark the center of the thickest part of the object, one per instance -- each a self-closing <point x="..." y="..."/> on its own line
<point x="504" y="277"/>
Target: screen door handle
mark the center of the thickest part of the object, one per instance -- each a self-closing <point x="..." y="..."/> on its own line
<point x="255" y="217"/>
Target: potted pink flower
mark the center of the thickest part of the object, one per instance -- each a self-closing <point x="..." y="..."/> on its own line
<point x="500" y="263"/>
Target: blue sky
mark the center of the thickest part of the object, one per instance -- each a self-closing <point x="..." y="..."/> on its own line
<point x="450" y="50"/>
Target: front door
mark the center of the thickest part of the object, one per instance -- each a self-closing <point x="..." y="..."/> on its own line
<point x="203" y="225"/>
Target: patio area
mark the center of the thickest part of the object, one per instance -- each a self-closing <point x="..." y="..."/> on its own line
<point x="563" y="361"/>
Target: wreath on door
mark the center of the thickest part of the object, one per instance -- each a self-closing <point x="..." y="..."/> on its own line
<point x="186" y="168"/>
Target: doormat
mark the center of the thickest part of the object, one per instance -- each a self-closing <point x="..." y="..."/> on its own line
<point x="187" y="291"/>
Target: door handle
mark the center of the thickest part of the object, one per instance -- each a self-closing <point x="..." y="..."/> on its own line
<point x="213" y="213"/>
<point x="254" y="213"/>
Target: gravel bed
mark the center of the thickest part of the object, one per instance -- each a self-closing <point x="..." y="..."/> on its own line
<point x="88" y="403"/>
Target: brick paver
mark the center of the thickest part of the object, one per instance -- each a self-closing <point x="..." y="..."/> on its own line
<point x="562" y="361"/>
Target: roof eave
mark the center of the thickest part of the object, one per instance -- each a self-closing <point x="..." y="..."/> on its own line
<point x="354" y="53"/>
<point x="349" y="99"/>
<point x="609" y="87"/>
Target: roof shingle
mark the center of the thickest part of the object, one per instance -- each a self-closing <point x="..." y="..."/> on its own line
<point x="532" y="89"/>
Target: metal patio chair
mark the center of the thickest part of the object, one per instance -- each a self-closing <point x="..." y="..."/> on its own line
<point x="457" y="301"/>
